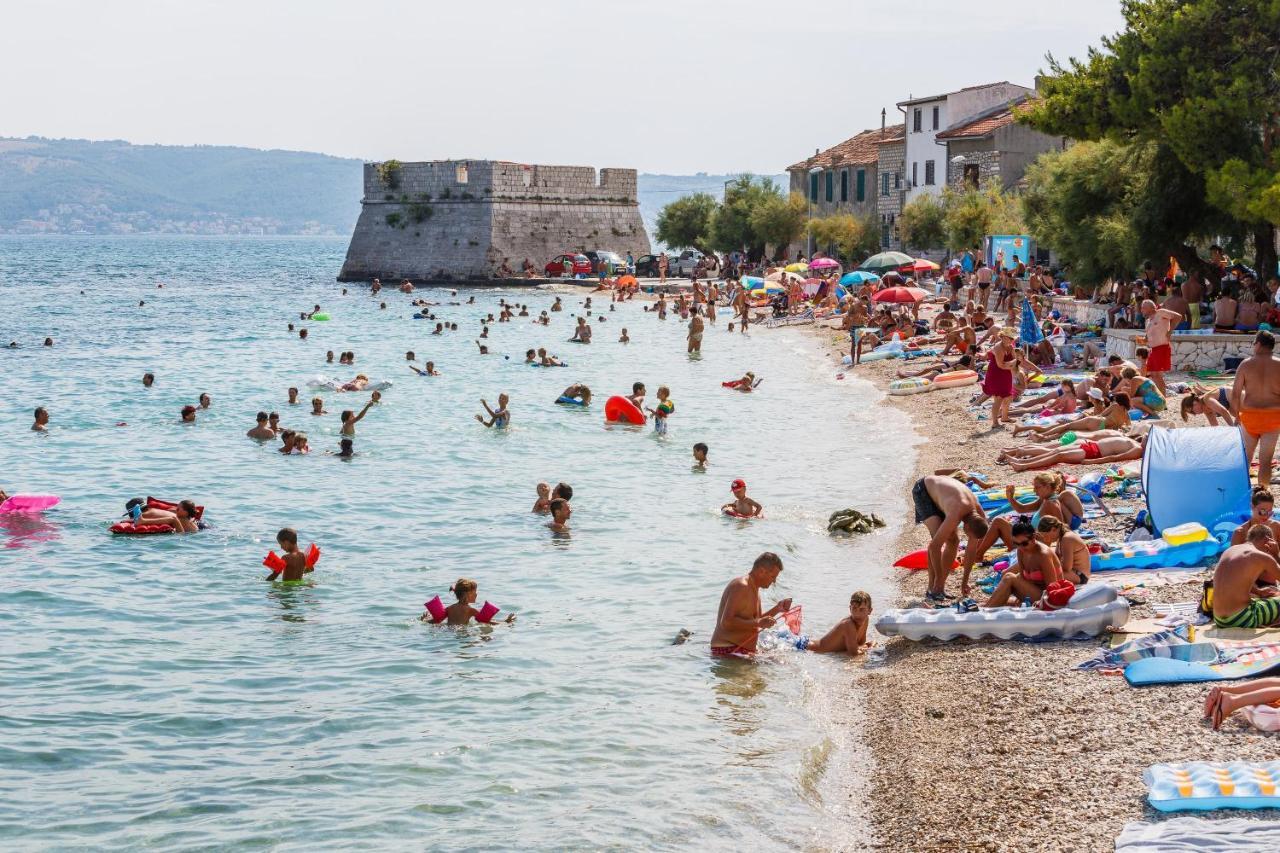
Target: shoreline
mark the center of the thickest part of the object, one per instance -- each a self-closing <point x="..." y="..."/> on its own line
<point x="995" y="745"/>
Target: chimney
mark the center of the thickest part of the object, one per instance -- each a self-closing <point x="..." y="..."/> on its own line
<point x="882" y="122"/>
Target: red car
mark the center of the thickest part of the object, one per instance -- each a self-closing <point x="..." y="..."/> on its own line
<point x="570" y="265"/>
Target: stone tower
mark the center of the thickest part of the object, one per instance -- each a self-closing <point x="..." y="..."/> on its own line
<point x="452" y="220"/>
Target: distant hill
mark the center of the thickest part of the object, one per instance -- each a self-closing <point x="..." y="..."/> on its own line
<point x="70" y="186"/>
<point x="74" y="185"/>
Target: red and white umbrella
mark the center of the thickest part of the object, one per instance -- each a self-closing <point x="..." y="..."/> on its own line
<point x="901" y="295"/>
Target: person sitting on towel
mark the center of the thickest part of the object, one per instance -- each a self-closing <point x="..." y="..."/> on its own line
<point x="1237" y="603"/>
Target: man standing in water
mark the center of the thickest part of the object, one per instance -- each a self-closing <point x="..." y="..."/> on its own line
<point x="1256" y="396"/>
<point x="739" y="620"/>
<point x="695" y="333"/>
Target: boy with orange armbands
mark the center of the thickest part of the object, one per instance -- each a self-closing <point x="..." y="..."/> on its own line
<point x="294" y="564"/>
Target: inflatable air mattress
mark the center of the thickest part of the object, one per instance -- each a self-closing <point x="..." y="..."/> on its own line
<point x="914" y="385"/>
<point x="1091" y="611"/>
<point x="1201" y="785"/>
<point x="1156" y="553"/>
<point x="28" y="503"/>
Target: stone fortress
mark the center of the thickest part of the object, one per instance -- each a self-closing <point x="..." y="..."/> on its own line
<point x="459" y="220"/>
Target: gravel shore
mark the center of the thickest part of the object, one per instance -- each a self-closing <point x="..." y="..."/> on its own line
<point x="1002" y="745"/>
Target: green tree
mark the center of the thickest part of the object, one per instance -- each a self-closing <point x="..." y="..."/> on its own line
<point x="686" y="222"/>
<point x="922" y="222"/>
<point x="970" y="214"/>
<point x="777" y="221"/>
<point x="851" y="238"/>
<point x="1196" y="77"/>
<point x="731" y="227"/>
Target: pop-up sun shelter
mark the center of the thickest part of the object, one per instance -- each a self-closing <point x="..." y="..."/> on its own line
<point x="1197" y="474"/>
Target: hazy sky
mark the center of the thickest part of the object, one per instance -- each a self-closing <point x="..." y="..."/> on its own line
<point x="659" y="85"/>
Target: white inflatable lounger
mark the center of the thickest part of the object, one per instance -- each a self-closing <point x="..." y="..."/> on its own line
<point x="1091" y="611"/>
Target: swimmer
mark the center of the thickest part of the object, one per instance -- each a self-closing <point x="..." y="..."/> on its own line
<point x="624" y="338"/>
<point x="560" y="512"/>
<point x="741" y="504"/>
<point x="409" y="356"/>
<point x="346" y="449"/>
<point x="261" y="432"/>
<point x="746" y="384"/>
<point x="148" y="379"/>
<point x="739" y="618"/>
<point x="181" y="520"/>
<point x="302" y="334"/>
<point x="531" y="356"/>
<point x="188" y="414"/>
<point x="484" y="350"/>
<point x="357" y="384"/>
<point x="542" y="505"/>
<point x="563" y="491"/>
<point x="328" y="357"/>
<point x="428" y="370"/>
<point x="287" y="439"/>
<point x="293" y="396"/>
<point x="577" y="391"/>
<point x="205" y="401"/>
<point x="637" y="395"/>
<point x="48" y="342"/>
<point x="295" y="562"/>
<point x="300" y="443"/>
<point x="557" y="306"/>
<point x="317" y="406"/>
<point x="484" y="333"/>
<point x="42" y="420"/>
<point x="273" y="421"/>
<point x="700" y="451"/>
<point x="548" y="360"/>
<point x="694" y="336"/>
<point x="350" y="418"/>
<point x="850" y="634"/>
<point x="666" y="407"/>
<point x="461" y="612"/>
<point x="500" y="417"/>
<point x="582" y="333"/>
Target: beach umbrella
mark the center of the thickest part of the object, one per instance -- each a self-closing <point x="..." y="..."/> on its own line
<point x="901" y="295"/>
<point x="1029" y="331"/>
<point x="923" y="265"/>
<point x="824" y="264"/>
<point x="886" y="261"/>
<point x="858" y="277"/>
<point x="797" y="267"/>
<point x="785" y="277"/>
<point x="752" y="282"/>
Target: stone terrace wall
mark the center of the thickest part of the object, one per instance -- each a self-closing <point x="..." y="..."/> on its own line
<point x="458" y="219"/>
<point x="1191" y="351"/>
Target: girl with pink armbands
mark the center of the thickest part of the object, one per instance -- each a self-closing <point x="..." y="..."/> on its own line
<point x="461" y="612"/>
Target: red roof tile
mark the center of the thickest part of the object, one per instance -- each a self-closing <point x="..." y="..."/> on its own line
<point x="862" y="149"/>
<point x="986" y="124"/>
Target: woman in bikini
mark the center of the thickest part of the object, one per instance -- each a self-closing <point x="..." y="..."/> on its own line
<point x="1073" y="553"/>
<point x="1103" y="451"/>
<point x="1115" y="416"/>
<point x="1212" y="404"/>
<point x="1045" y="487"/>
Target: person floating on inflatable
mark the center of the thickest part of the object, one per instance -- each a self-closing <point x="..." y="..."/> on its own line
<point x="575" y="395"/>
<point x="500" y="417"/>
<point x="183" y="518"/>
<point x="666" y="408"/>
<point x="461" y="612"/>
<point x="746" y="384"/>
<point x="849" y="634"/>
<point x="294" y="564"/>
<point x="741" y="506"/>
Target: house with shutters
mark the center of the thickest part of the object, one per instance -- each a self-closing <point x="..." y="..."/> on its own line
<point x="925" y="118"/>
<point x="846" y="178"/>
<point x="993" y="146"/>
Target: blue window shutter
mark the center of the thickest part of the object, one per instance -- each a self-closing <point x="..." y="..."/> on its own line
<point x="844" y="185"/>
<point x="830" y="186"/>
<point x="813" y="186"/>
<point x="862" y="184"/>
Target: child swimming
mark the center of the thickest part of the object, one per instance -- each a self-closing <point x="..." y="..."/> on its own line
<point x="461" y="612"/>
<point x="741" y="505"/>
<point x="700" y="451"/>
<point x="500" y="417"/>
<point x="849" y="634"/>
<point x="295" y="562"/>
<point x="542" y="505"/>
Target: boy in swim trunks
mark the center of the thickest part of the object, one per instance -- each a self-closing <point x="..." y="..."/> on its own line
<point x="850" y="634"/>
<point x="500" y="417"/>
<point x="741" y="504"/>
<point x="295" y="562"/>
<point x="700" y="456"/>
<point x="1237" y="600"/>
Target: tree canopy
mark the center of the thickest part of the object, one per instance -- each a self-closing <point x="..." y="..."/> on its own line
<point x="686" y="222"/>
<point x="1198" y="78"/>
<point x="921" y="223"/>
<point x="853" y="238"/>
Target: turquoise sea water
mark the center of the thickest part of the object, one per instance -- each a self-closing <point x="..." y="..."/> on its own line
<point x="156" y="691"/>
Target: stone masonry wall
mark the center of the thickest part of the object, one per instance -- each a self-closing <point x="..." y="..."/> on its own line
<point x="458" y="219"/>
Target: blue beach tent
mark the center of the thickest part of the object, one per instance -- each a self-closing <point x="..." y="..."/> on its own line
<point x="1195" y="474"/>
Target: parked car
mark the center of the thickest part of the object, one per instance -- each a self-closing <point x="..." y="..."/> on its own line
<point x="614" y="265"/>
<point x="568" y="265"/>
<point x="683" y="264"/>
<point x="647" y="265"/>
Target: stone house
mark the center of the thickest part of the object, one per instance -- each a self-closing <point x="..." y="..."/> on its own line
<point x="891" y="167"/>
<point x="993" y="146"/>
<point x="927" y="117"/>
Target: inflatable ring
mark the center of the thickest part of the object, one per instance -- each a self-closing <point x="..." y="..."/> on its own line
<point x="728" y="513"/>
<point x="570" y="401"/>
<point x="621" y="410"/>
<point x="955" y="379"/>
<point x="320" y="317"/>
<point x="910" y="386"/>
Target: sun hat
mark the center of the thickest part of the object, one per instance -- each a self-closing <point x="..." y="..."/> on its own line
<point x="1008" y="332"/>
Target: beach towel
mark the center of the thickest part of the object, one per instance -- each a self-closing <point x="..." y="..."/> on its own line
<point x="1199" y="835"/>
<point x="1170" y="644"/>
<point x="1252" y="660"/>
<point x="1264" y="718"/>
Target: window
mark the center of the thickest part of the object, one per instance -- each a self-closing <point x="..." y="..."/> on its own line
<point x="897" y="180"/>
<point x="935" y="118"/>
<point x="884" y="235"/>
<point x="844" y="185"/>
<point x="971" y="173"/>
<point x="884" y="184"/>
<point x="830" y="185"/>
<point x="928" y="172"/>
<point x="915" y="120"/>
<point x="813" y="186"/>
<point x="862" y="185"/>
<point x="462" y="173"/>
<point x="915" y="176"/>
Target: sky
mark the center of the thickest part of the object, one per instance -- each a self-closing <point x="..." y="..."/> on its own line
<point x="667" y="86"/>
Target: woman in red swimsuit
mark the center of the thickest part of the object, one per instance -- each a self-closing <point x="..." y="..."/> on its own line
<point x="999" y="382"/>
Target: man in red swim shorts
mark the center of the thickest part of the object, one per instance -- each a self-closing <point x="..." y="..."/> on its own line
<point x="1159" y="323"/>
<point x="739" y="620"/>
<point x="1256" y="396"/>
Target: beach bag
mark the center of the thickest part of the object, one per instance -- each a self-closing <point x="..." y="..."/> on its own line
<point x="1056" y="596"/>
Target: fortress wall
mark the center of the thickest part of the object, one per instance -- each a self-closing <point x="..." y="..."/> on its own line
<point x="501" y="210"/>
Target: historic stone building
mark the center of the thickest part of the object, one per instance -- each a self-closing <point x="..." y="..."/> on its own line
<point x="462" y="219"/>
<point x="844" y="178"/>
<point x="993" y="146"/>
<point x="891" y="166"/>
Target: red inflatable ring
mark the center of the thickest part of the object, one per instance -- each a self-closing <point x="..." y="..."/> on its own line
<point x="622" y="410"/>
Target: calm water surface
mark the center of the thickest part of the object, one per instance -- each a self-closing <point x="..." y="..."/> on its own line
<point x="156" y="691"/>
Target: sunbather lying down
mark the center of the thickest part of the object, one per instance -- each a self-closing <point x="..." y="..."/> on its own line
<point x="1257" y="699"/>
<point x="1085" y="451"/>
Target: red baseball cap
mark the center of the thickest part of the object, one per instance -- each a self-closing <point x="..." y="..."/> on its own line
<point x="737" y="484"/>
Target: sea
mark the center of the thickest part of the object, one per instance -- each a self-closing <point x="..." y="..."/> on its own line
<point x="159" y="692"/>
